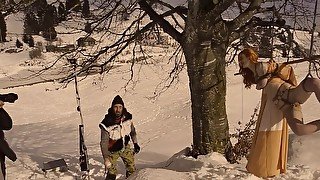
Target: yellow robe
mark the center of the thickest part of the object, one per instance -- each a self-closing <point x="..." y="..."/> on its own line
<point x="269" y="149"/>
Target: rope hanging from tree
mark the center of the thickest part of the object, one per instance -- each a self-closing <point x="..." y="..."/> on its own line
<point x="272" y="29"/>
<point x="312" y="36"/>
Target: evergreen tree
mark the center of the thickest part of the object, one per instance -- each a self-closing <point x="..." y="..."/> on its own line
<point x="62" y="14"/>
<point x="3" y="28"/>
<point x="25" y="38"/>
<point x="68" y="5"/>
<point x="50" y="34"/>
<point x="18" y="44"/>
<point x="85" y="9"/>
<point x="73" y="5"/>
<point x="87" y="27"/>
<point x="31" y="41"/>
<point x="54" y="12"/>
<point x="49" y="18"/>
<point x="39" y="7"/>
<point x="31" y="24"/>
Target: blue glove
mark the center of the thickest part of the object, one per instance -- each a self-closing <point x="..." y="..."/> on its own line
<point x="136" y="148"/>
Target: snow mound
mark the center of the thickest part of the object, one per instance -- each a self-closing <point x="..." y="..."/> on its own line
<point x="215" y="166"/>
<point x="159" y="174"/>
<point x="304" y="150"/>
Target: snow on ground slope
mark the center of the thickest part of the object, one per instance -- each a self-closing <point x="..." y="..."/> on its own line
<point x="46" y="127"/>
<point x="46" y="123"/>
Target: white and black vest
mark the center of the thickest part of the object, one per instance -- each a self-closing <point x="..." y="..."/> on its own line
<point x="119" y="133"/>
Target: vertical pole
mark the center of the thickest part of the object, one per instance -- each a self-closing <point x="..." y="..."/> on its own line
<point x="83" y="159"/>
<point x="77" y="92"/>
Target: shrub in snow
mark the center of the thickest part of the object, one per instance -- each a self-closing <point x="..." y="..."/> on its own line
<point x="35" y="53"/>
<point x="244" y="136"/>
<point x="39" y="45"/>
<point x="18" y="44"/>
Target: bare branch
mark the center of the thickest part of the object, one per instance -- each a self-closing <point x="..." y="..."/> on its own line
<point x="253" y="22"/>
<point x="222" y="6"/>
<point x="179" y="65"/>
<point x="182" y="11"/>
<point x="244" y="17"/>
<point x="167" y="27"/>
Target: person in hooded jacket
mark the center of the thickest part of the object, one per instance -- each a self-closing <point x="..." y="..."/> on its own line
<point x="116" y="131"/>
<point x="5" y="150"/>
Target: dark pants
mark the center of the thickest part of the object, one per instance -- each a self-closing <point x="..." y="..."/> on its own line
<point x="3" y="170"/>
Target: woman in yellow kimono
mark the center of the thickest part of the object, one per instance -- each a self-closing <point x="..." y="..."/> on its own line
<point x="280" y="107"/>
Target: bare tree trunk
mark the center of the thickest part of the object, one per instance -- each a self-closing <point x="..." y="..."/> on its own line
<point x="208" y="96"/>
<point x="206" y="69"/>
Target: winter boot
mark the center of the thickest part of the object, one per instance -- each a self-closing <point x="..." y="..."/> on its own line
<point x="111" y="176"/>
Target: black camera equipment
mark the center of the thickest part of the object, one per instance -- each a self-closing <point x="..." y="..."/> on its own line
<point x="11" y="97"/>
<point x="83" y="159"/>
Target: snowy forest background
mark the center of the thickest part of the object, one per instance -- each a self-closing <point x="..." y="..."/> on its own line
<point x="37" y="39"/>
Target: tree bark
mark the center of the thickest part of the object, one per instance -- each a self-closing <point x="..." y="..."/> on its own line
<point x="208" y="91"/>
<point x="205" y="48"/>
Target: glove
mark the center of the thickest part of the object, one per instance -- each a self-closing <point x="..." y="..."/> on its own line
<point x="11" y="97"/>
<point x="12" y="156"/>
<point x="136" y="148"/>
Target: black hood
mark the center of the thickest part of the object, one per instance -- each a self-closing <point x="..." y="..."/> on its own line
<point x="109" y="119"/>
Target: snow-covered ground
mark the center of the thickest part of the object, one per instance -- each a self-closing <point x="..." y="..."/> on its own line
<point x="46" y="124"/>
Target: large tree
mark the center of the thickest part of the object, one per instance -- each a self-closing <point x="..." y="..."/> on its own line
<point x="205" y="29"/>
<point x="85" y="8"/>
<point x="3" y="28"/>
<point x="73" y="5"/>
